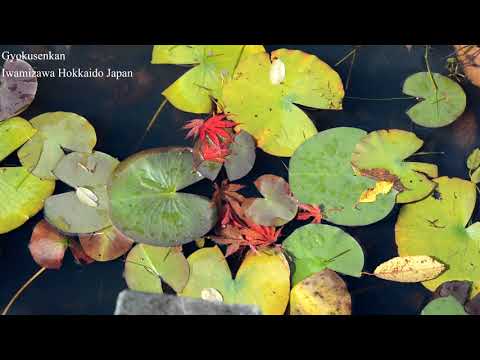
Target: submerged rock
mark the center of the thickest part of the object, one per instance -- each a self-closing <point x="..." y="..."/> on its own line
<point x="138" y="303"/>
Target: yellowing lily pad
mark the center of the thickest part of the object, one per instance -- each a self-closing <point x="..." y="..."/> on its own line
<point x="380" y="155"/>
<point x="442" y="100"/>
<point x="268" y="110"/>
<point x="278" y="206"/>
<point x="146" y="206"/>
<point x="57" y="131"/>
<point x="320" y="173"/>
<point x="435" y="227"/>
<point x="263" y="279"/>
<point x="315" y="247"/>
<point x="14" y="133"/>
<point x="214" y="64"/>
<point x="22" y="196"/>
<point x="18" y="86"/>
<point x="323" y="293"/>
<point x="147" y="266"/>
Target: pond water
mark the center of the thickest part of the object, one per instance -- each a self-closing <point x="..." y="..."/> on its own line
<point x="120" y="110"/>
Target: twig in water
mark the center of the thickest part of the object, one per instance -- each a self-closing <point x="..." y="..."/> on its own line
<point x="151" y="123"/>
<point x="380" y="99"/>
<point x="24" y="286"/>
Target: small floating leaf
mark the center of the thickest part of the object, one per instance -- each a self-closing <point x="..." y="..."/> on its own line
<point x="315" y="247"/>
<point x="442" y="99"/>
<point x="370" y="195"/>
<point x="16" y="90"/>
<point x="323" y="293"/>
<point x="242" y="156"/>
<point x="444" y="306"/>
<point x="147" y="266"/>
<point x="87" y="197"/>
<point x="277" y="72"/>
<point x="56" y="131"/>
<point x="320" y="173"/>
<point x="277" y="208"/>
<point x="409" y="269"/>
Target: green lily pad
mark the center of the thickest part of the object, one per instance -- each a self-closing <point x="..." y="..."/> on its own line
<point x="14" y="133"/>
<point x="435" y="227"/>
<point x="146" y="206"/>
<point x="16" y="90"/>
<point x="193" y="92"/>
<point x="73" y="217"/>
<point x="386" y="150"/>
<point x="316" y="247"/>
<point x="146" y="266"/>
<point x="268" y="110"/>
<point x="84" y="169"/>
<point x="278" y="206"/>
<point x="443" y="100"/>
<point x="68" y="212"/>
<point x="22" y="195"/>
<point x="473" y="160"/>
<point x="444" y="306"/>
<point x="263" y="279"/>
<point x="320" y="173"/>
<point x="105" y="245"/>
<point x="56" y="131"/>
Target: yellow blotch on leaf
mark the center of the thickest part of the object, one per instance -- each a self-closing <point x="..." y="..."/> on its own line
<point x="410" y="269"/>
<point x="370" y="195"/>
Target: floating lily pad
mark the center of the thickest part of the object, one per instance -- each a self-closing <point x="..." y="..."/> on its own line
<point x="315" y="247"/>
<point x="193" y="92"/>
<point x="444" y="306"/>
<point x="105" y="245"/>
<point x="84" y="211"/>
<point x="381" y="154"/>
<point x="323" y="293"/>
<point x="435" y="227"/>
<point x="73" y="217"/>
<point x="146" y="266"/>
<point x="320" y="173"/>
<point x="22" y="196"/>
<point x="57" y="131"/>
<point x="14" y="133"/>
<point x="263" y="279"/>
<point x="442" y="100"/>
<point x="460" y="290"/>
<point x="269" y="111"/>
<point x="47" y="246"/>
<point x="16" y="90"/>
<point x="278" y="206"/>
<point x="242" y="156"/>
<point x="84" y="169"/>
<point x="146" y="206"/>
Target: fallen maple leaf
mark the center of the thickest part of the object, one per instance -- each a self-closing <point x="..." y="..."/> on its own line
<point x="310" y="211"/>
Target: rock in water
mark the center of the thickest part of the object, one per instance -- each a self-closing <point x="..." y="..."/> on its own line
<point x="138" y="303"/>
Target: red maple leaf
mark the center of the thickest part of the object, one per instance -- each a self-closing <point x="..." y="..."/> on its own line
<point x="215" y="128"/>
<point x="310" y="211"/>
<point x="214" y="152"/>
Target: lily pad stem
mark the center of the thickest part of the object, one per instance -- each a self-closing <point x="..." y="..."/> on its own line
<point x="24" y="286"/>
<point x="152" y="122"/>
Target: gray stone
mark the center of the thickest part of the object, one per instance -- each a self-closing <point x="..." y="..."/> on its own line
<point x="138" y="303"/>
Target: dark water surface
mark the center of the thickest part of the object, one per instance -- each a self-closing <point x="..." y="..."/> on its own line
<point x="121" y="109"/>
